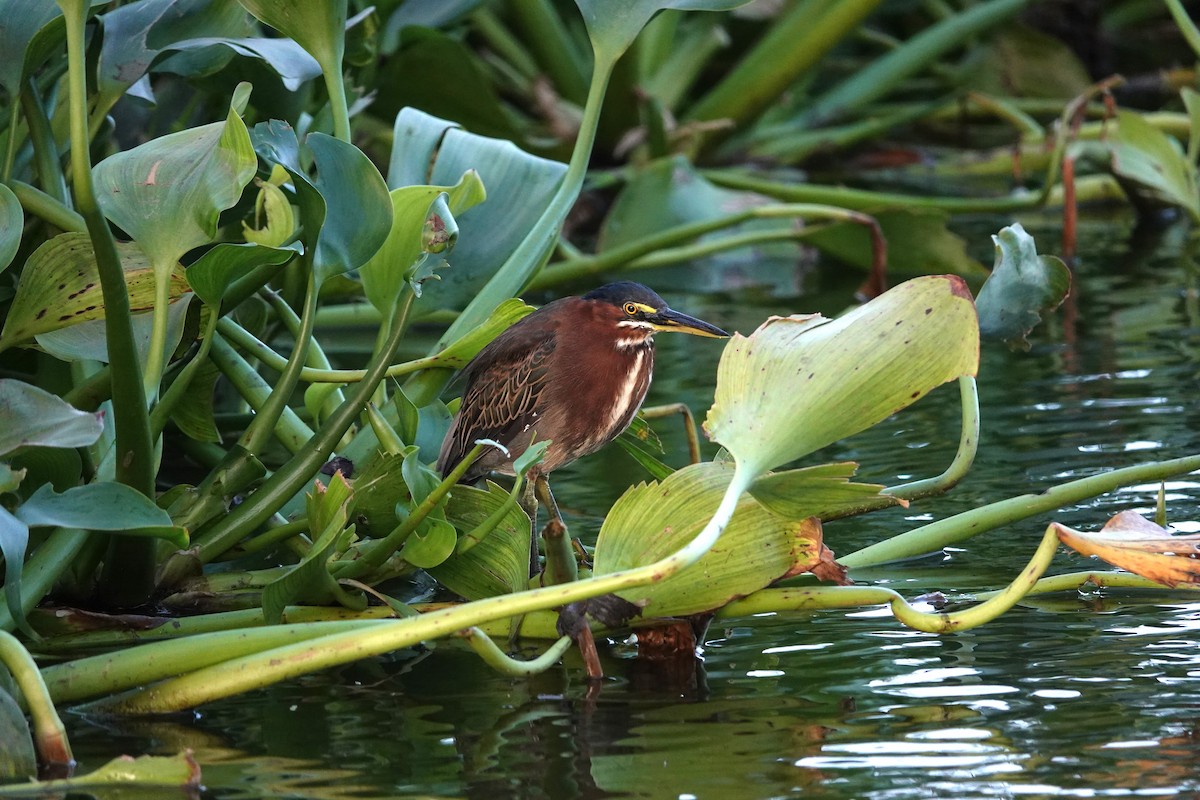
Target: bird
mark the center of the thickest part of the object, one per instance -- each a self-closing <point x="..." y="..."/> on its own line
<point x="573" y="373"/>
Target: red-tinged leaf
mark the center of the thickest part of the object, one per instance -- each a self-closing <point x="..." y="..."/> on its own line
<point x="1136" y="544"/>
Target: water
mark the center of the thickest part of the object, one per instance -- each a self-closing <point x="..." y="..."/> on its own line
<point x="1073" y="695"/>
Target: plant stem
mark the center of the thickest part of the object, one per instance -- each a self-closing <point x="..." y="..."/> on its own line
<point x="41" y="571"/>
<point x="281" y="486"/>
<point x="936" y="535"/>
<point x="289" y="429"/>
<point x="49" y="734"/>
<point x="45" y="148"/>
<point x="45" y="207"/>
<point x="128" y="577"/>
<point x="498" y="660"/>
<point x="183" y="381"/>
<point x="968" y="445"/>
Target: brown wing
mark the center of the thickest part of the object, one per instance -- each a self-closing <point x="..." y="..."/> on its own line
<point x="503" y="386"/>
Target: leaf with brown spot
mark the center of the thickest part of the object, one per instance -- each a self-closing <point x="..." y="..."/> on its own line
<point x="61" y="277"/>
<point x="1134" y="543"/>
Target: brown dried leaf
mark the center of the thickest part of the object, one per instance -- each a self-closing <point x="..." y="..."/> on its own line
<point x="1136" y="544"/>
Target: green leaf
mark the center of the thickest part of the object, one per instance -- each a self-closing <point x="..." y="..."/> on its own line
<point x="33" y="416"/>
<point x="136" y="33"/>
<point x="1022" y="287"/>
<point x="17" y="757"/>
<point x="430" y="544"/>
<point x="60" y="287"/>
<point x="286" y="59"/>
<point x="427" y="150"/>
<point x="193" y="414"/>
<point x="613" y="27"/>
<point x="87" y="342"/>
<point x="499" y="562"/>
<point x="1152" y="165"/>
<point x="385" y="274"/>
<point x="842" y="376"/>
<point x="823" y="491"/>
<point x="212" y="273"/>
<point x="14" y="536"/>
<point x="651" y="521"/>
<point x="918" y="242"/>
<point x="319" y="26"/>
<point x="32" y="31"/>
<point x="12" y="221"/>
<point x="169" y="192"/>
<point x="644" y="455"/>
<point x="101" y="507"/>
<point x="310" y="580"/>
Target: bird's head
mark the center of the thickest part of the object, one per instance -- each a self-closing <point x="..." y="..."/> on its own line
<point x="638" y="313"/>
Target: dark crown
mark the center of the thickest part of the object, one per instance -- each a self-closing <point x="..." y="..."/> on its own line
<point x="622" y="292"/>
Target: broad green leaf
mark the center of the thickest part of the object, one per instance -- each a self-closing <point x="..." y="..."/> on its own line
<point x="12" y="221"/>
<point x="212" y="273"/>
<point x="378" y="487"/>
<point x="136" y="33"/>
<point x="168" y="193"/>
<point x="1021" y="61"/>
<point x="499" y="563"/>
<point x="384" y="275"/>
<point x="310" y="581"/>
<point x="193" y="413"/>
<point x="14" y="536"/>
<point x="802" y="382"/>
<point x="427" y="150"/>
<point x="87" y="342"/>
<point x="459" y="353"/>
<point x="287" y="59"/>
<point x="61" y="467"/>
<point x="30" y="32"/>
<point x="1022" y="286"/>
<point x="651" y="521"/>
<point x="613" y="27"/>
<point x="319" y="26"/>
<point x="1152" y="165"/>
<point x="430" y="544"/>
<point x="174" y="775"/>
<point x="101" y="507"/>
<point x="60" y="287"/>
<point x="824" y="491"/>
<point x="918" y="242"/>
<point x="643" y="446"/>
<point x="33" y="416"/>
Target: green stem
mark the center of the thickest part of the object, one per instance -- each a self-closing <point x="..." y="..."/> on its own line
<point x="1185" y="24"/>
<point x="10" y="150"/>
<point x="41" y="571"/>
<point x="498" y="660"/>
<point x="49" y="734"/>
<point x="183" y="381"/>
<point x="289" y="429"/>
<point x="936" y="535"/>
<point x="552" y="46"/>
<point x="615" y="257"/>
<point x="289" y="479"/>
<point x="156" y="356"/>
<point x="262" y="428"/>
<point x="274" y="536"/>
<point x="45" y="207"/>
<point x="128" y="577"/>
<point x="968" y="445"/>
<point x="1076" y="581"/>
<point x="45" y="148"/>
<point x="777" y="600"/>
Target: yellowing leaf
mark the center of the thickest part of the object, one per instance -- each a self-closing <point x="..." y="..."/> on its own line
<point x="1136" y="544"/>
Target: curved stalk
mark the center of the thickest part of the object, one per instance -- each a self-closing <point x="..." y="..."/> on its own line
<point x="49" y="734"/>
<point x="968" y="445"/>
<point x="498" y="660"/>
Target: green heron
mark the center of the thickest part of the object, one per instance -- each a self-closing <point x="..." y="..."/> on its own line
<point x="574" y="372"/>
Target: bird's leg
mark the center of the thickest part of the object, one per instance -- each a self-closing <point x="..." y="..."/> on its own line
<point x="560" y="558"/>
<point x="529" y="505"/>
<point x="689" y="425"/>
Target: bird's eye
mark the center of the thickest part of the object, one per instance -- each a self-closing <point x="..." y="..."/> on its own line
<point x="631" y="309"/>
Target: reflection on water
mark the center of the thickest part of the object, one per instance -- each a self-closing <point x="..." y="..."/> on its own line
<point x="1074" y="696"/>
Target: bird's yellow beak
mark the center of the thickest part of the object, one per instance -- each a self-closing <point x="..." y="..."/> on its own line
<point x="669" y="320"/>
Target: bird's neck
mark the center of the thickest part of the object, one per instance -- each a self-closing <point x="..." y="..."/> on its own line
<point x="633" y="335"/>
